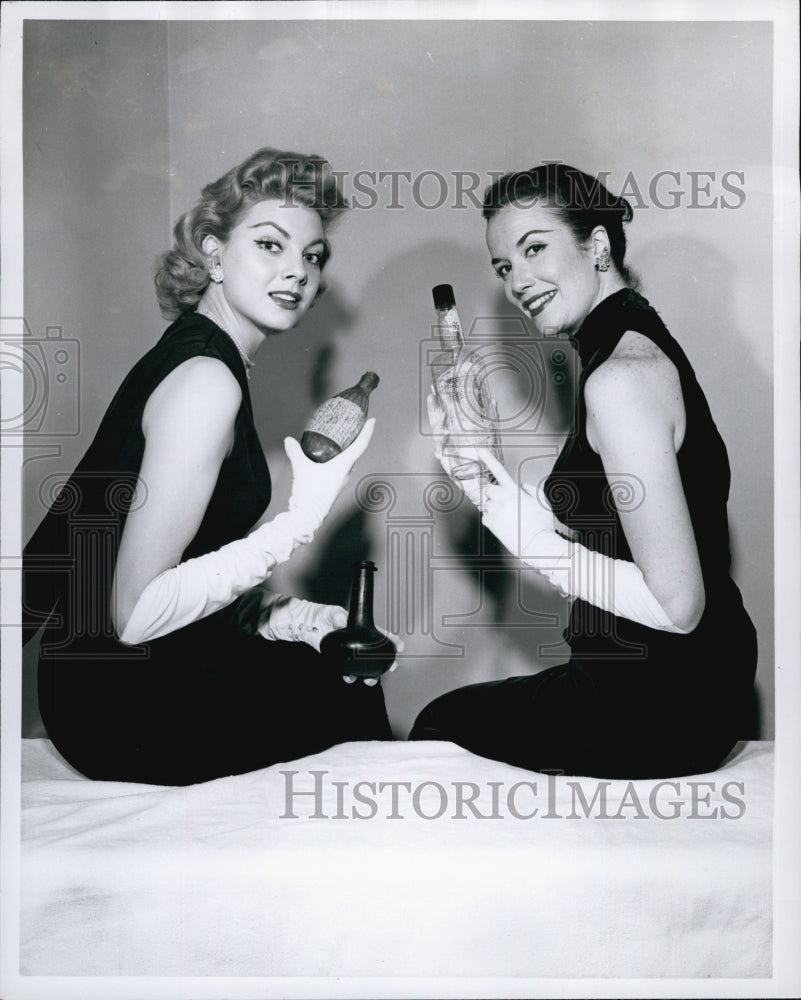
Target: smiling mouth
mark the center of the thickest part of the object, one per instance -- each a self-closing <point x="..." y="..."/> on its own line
<point x="537" y="303"/>
<point x="286" y="300"/>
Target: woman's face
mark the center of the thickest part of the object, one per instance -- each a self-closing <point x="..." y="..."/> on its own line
<point x="271" y="264"/>
<point x="546" y="273"/>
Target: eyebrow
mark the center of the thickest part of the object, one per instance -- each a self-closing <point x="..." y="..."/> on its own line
<point x="275" y="225"/>
<point x="521" y="241"/>
<point x="531" y="232"/>
<point x="285" y="234"/>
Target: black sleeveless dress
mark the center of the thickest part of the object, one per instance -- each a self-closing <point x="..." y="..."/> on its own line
<point x="632" y="701"/>
<point x="206" y="700"/>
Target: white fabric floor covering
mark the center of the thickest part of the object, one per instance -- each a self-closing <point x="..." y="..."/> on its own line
<point x="216" y="879"/>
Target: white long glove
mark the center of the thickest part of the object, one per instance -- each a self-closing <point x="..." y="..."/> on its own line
<point x="524" y="523"/>
<point x="199" y="587"/>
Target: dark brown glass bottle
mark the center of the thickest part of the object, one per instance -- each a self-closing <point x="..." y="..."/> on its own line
<point x="359" y="649"/>
<point x="336" y="424"/>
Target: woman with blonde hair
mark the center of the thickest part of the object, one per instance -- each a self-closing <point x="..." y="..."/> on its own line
<point x="165" y="659"/>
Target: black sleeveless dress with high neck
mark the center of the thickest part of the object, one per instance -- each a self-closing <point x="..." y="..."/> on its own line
<point x="206" y="700"/>
<point x="632" y="701"/>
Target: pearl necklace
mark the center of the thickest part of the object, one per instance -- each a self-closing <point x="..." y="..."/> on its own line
<point x="248" y="362"/>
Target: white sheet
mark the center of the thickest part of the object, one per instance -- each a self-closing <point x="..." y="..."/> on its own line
<point x="215" y="879"/>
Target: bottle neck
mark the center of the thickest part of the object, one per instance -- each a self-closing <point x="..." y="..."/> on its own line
<point x="368" y="382"/>
<point x="449" y="328"/>
<point x="360" y="613"/>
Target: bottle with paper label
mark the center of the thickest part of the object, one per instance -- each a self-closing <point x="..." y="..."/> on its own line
<point x="462" y="390"/>
<point x="337" y="423"/>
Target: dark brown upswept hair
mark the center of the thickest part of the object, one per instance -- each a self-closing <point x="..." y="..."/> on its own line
<point x="182" y="273"/>
<point x="581" y="200"/>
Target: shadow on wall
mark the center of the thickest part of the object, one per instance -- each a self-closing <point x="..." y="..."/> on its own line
<point x="293" y="372"/>
<point x="327" y="579"/>
<point x="487" y="618"/>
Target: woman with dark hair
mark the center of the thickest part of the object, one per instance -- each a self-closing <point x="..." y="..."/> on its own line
<point x="164" y="659"/>
<point x="631" y="523"/>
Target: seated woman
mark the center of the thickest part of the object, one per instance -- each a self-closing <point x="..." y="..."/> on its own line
<point x="164" y="660"/>
<point x="663" y="652"/>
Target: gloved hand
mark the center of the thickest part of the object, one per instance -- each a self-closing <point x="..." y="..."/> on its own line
<point x="520" y="517"/>
<point x="316" y="485"/>
<point x="291" y="619"/>
<point x="446" y="453"/>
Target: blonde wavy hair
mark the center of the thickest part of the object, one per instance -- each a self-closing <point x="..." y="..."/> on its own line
<point x="182" y="273"/>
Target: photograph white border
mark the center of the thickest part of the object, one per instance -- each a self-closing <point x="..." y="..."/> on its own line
<point x="786" y="978"/>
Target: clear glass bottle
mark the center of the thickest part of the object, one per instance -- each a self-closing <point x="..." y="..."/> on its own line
<point x="460" y="384"/>
<point x="359" y="649"/>
<point x="336" y="423"/>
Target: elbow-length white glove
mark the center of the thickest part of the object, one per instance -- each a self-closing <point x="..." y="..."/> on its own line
<point x="199" y="587"/>
<point x="525" y="524"/>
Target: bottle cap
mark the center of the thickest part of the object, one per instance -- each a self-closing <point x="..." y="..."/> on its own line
<point x="443" y="296"/>
<point x="369" y="381"/>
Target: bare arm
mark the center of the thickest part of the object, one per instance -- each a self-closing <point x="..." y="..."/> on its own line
<point x="635" y="422"/>
<point x="188" y="424"/>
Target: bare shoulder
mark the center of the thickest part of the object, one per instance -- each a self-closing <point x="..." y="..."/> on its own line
<point x="636" y="392"/>
<point x="637" y="370"/>
<point x="204" y="373"/>
<point x="196" y="376"/>
<point x="201" y="388"/>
